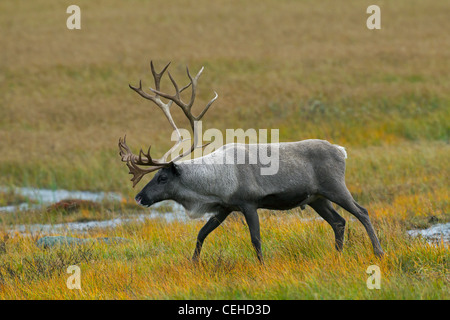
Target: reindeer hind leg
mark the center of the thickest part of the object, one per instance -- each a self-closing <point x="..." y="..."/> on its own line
<point x="340" y="195"/>
<point x="325" y="209"/>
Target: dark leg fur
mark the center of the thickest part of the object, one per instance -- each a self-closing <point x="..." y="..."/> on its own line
<point x="252" y="219"/>
<point x="212" y="224"/>
<point x="342" y="197"/>
<point x="325" y="209"/>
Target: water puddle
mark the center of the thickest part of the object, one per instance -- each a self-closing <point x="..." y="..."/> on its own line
<point x="434" y="234"/>
<point x="39" y="198"/>
<point x="85" y="226"/>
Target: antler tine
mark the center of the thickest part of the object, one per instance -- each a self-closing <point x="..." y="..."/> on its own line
<point x="207" y="107"/>
<point x="148" y="160"/>
<point x="124" y="151"/>
<point x="195" y="144"/>
<point x="177" y="91"/>
<point x="138" y="172"/>
<point x="142" y="93"/>
<point x="195" y="79"/>
<point x="176" y="97"/>
<point x="194" y="85"/>
<point x="185" y="87"/>
<point x="157" y="76"/>
<point x="134" y="161"/>
<point x="126" y="154"/>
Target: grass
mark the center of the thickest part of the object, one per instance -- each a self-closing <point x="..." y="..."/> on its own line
<point x="312" y="70"/>
<point x="8" y="197"/>
<point x="301" y="263"/>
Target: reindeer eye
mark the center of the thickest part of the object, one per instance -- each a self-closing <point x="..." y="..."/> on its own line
<point x="162" y="179"/>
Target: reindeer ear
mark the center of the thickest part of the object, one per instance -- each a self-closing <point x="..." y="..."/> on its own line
<point x="175" y="169"/>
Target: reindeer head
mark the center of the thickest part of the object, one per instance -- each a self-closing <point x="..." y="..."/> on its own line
<point x="157" y="189"/>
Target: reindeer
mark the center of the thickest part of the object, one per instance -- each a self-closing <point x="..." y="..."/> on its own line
<point x="310" y="172"/>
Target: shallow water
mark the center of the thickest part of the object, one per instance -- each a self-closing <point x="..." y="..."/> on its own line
<point x="44" y="197"/>
<point x="47" y="196"/>
<point x="434" y="234"/>
<point x="82" y="227"/>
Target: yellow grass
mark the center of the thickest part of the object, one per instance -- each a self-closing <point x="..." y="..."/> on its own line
<point x="309" y="68"/>
<point x="301" y="263"/>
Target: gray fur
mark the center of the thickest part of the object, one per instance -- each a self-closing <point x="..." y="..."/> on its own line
<point x="310" y="172"/>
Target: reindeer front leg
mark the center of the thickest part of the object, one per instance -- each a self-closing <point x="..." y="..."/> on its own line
<point x="212" y="224"/>
<point x="252" y="219"/>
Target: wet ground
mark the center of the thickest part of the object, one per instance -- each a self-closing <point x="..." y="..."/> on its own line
<point x="46" y="198"/>
<point x="39" y="198"/>
<point x="436" y="233"/>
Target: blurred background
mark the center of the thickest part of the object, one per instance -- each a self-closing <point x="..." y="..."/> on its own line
<point x="309" y="68"/>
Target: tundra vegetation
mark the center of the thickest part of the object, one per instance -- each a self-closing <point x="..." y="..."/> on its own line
<point x="311" y="69"/>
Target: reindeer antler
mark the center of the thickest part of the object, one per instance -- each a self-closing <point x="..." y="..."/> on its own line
<point x="144" y="159"/>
